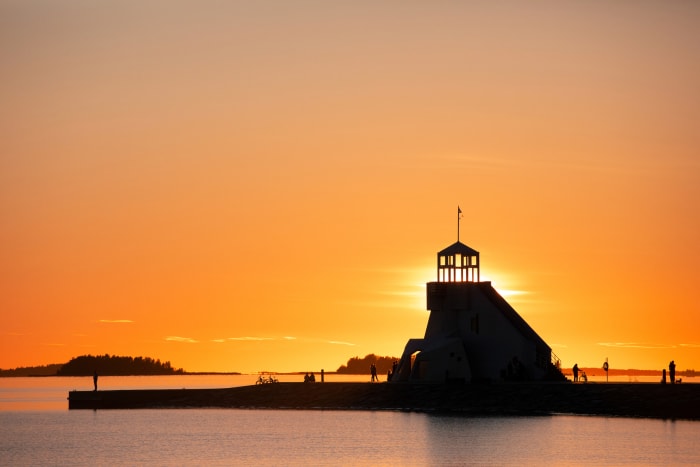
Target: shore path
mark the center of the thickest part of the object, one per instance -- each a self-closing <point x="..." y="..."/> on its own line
<point x="649" y="400"/>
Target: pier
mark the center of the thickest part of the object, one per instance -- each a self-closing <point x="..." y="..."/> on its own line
<point x="647" y="400"/>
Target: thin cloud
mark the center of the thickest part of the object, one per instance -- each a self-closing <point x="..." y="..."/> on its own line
<point x="635" y="345"/>
<point x="116" y="321"/>
<point x="376" y="303"/>
<point x="341" y="343"/>
<point x="472" y="161"/>
<point x="404" y="293"/>
<point x="188" y="340"/>
<point x="251" y="338"/>
<point x="283" y="338"/>
<point x="692" y="346"/>
<point x="512" y="293"/>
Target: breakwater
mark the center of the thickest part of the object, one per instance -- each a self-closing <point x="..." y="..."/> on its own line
<point x="681" y="401"/>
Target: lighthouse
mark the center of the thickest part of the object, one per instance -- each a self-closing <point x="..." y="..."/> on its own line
<point x="472" y="334"/>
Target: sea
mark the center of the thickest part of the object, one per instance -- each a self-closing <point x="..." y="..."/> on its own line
<point x="36" y="428"/>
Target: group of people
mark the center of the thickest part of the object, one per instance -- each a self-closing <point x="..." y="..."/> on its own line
<point x="389" y="374"/>
<point x="309" y="378"/>
<point x="583" y="377"/>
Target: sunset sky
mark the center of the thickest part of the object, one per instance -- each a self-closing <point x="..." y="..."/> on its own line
<point x="264" y="185"/>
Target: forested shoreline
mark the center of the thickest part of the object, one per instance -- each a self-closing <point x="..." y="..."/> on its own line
<point x="105" y="365"/>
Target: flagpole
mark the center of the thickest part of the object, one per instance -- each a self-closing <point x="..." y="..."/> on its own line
<point x="459" y="212"/>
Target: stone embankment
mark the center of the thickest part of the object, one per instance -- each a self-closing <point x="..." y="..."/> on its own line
<point x="680" y="401"/>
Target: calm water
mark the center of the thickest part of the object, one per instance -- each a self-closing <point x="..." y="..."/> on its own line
<point x="42" y="434"/>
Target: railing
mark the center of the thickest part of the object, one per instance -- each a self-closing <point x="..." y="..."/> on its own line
<point x="556" y="361"/>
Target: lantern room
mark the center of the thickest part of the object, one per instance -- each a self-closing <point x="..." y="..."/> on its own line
<point x="458" y="263"/>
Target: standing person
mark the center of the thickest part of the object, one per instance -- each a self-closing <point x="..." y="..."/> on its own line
<point x="575" y="370"/>
<point x="672" y="372"/>
<point x="373" y="371"/>
<point x="94" y="379"/>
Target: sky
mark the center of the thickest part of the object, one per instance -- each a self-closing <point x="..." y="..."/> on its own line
<point x="264" y="185"/>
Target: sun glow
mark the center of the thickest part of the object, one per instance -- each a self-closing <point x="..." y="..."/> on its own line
<point x="507" y="284"/>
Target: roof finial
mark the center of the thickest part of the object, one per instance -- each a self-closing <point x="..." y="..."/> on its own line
<point x="459" y="216"/>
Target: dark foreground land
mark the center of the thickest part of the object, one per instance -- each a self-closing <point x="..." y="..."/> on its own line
<point x="680" y="401"/>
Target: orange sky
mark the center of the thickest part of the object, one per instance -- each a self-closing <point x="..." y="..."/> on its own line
<point x="249" y="186"/>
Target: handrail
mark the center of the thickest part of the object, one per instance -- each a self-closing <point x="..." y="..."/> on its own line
<point x="556" y="361"/>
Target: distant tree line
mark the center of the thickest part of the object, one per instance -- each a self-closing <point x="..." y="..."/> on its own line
<point x="112" y="365"/>
<point x="360" y="366"/>
<point x="44" y="370"/>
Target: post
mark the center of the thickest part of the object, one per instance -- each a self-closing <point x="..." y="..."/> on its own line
<point x="606" y="367"/>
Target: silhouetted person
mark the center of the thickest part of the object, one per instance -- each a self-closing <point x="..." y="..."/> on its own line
<point x="94" y="380"/>
<point x="373" y="371"/>
<point x="322" y="374"/>
<point x="672" y="372"/>
<point x="575" y="370"/>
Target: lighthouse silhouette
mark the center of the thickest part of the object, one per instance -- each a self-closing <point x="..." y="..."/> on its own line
<point x="473" y="334"/>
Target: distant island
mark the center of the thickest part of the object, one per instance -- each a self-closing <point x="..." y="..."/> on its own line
<point x="44" y="370"/>
<point x="117" y="366"/>
<point x="105" y="365"/>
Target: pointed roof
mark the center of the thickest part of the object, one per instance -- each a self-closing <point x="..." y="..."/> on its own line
<point x="513" y="316"/>
<point x="458" y="248"/>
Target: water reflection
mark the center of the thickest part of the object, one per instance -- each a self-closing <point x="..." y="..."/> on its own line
<point x="560" y="440"/>
<point x="297" y="437"/>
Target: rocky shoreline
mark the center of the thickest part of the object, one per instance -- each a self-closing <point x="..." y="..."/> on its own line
<point x="647" y="400"/>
